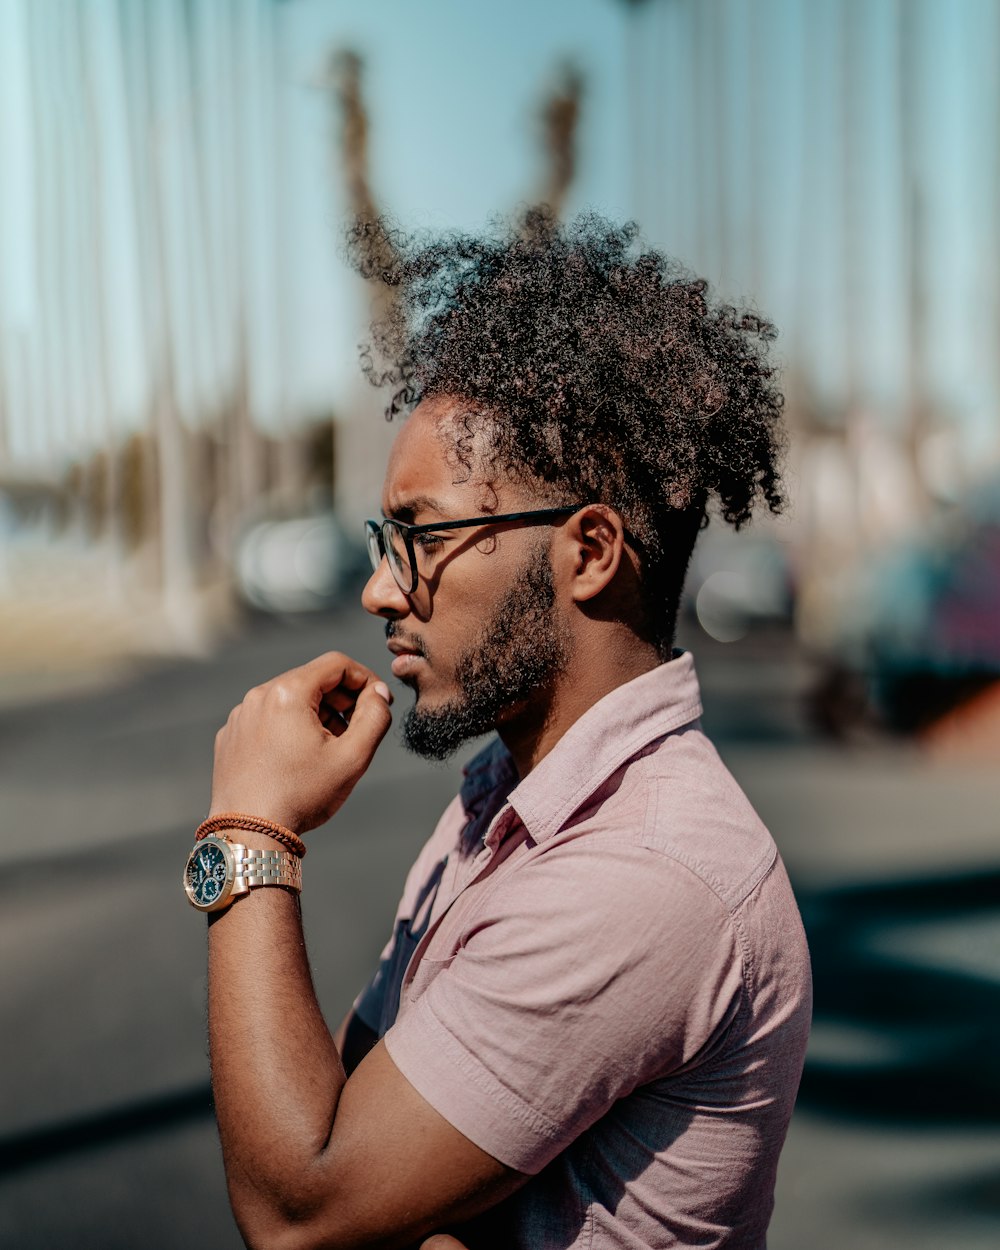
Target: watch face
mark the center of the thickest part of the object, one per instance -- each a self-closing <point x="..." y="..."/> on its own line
<point x="208" y="875"/>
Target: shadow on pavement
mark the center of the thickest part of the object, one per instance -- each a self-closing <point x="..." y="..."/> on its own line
<point x="978" y="1194"/>
<point x="25" y="1150"/>
<point x="907" y="993"/>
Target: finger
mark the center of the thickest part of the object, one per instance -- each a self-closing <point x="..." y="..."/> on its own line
<point x="317" y="679"/>
<point x="441" y="1241"/>
<point x="369" y="722"/>
<point x="334" y="669"/>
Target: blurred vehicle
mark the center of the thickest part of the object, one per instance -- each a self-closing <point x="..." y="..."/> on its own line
<point x="921" y="629"/>
<point x="298" y="564"/>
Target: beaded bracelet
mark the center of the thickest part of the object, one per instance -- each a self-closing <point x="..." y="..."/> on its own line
<point x="251" y="824"/>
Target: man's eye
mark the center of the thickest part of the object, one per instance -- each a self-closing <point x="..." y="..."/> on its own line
<point x="428" y="541"/>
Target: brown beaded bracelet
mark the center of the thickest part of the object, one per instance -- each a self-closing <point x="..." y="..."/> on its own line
<point x="251" y="824"/>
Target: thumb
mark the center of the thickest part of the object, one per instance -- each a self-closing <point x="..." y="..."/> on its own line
<point x="369" y="722"/>
<point x="441" y="1241"/>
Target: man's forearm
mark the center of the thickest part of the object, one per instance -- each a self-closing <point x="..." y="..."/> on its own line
<point x="276" y="1073"/>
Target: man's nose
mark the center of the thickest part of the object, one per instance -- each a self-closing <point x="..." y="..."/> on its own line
<point x="382" y="596"/>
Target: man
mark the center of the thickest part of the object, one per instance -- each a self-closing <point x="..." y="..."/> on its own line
<point x="589" y="1025"/>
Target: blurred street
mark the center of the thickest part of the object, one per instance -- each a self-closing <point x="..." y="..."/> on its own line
<point x="106" y="1136"/>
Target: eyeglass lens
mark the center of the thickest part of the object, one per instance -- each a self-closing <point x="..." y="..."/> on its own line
<point x="373" y="537"/>
<point x="386" y="537"/>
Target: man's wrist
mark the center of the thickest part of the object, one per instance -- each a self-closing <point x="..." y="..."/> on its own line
<point x="224" y="823"/>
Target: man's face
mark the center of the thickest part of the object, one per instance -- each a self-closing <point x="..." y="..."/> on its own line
<point x="480" y="640"/>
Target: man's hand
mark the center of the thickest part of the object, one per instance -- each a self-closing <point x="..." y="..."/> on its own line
<point x="294" y="749"/>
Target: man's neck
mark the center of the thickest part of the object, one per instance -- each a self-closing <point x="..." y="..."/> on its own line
<point x="532" y="733"/>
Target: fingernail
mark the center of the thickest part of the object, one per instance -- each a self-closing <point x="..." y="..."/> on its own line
<point x="383" y="690"/>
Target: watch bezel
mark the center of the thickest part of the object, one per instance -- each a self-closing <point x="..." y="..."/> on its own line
<point x="226" y="891"/>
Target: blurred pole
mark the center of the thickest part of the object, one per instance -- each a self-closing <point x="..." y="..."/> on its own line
<point x="713" y="29"/>
<point x="703" y="234"/>
<point x="144" y="453"/>
<point x="194" y="298"/>
<point x="825" y="508"/>
<point x="291" y="469"/>
<point x="853" y="313"/>
<point x="223" y="207"/>
<point x="20" y="376"/>
<point x="915" y="402"/>
<point x="359" y="444"/>
<point x="344" y="82"/>
<point x="560" y="127"/>
<point x="88" y="30"/>
<point x="178" y="579"/>
<point x="661" y="222"/>
<point x="239" y="471"/>
<point x="750" y="244"/>
<point x="201" y="288"/>
<point x="247" y="449"/>
<point x="636" y="144"/>
<point x="79" y="247"/>
<point x="16" y="208"/>
<point x="71" y="395"/>
<point x="801" y="242"/>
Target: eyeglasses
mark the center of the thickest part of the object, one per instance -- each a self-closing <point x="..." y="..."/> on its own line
<point x="394" y="539"/>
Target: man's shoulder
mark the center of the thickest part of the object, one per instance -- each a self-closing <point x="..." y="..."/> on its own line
<point x="678" y="800"/>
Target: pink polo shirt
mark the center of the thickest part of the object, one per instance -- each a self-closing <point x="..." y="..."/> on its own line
<point x="609" y="986"/>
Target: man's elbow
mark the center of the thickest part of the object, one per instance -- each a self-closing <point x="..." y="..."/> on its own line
<point x="300" y="1224"/>
<point x="281" y="1235"/>
<point x="271" y="1231"/>
<point x="280" y="1225"/>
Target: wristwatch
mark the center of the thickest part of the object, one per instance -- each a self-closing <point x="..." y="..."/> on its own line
<point x="219" y="871"/>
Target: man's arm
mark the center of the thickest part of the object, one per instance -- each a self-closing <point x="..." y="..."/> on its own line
<point x="314" y="1159"/>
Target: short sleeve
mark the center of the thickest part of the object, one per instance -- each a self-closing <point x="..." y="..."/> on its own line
<point x="587" y="971"/>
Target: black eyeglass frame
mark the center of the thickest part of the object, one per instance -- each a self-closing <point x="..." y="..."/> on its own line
<point x="378" y="530"/>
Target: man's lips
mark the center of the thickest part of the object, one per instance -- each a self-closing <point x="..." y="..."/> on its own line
<point x="409" y="656"/>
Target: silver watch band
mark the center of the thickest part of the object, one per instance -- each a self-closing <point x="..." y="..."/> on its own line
<point x="255" y="868"/>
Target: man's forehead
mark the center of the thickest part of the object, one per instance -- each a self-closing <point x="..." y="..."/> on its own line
<point x="425" y="474"/>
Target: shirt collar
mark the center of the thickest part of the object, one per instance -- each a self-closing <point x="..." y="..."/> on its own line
<point x="617" y="727"/>
<point x="608" y="734"/>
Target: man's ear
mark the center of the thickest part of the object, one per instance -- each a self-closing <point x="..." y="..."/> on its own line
<point x="597" y="539"/>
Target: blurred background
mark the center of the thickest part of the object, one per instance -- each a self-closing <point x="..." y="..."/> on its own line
<point x="187" y="448"/>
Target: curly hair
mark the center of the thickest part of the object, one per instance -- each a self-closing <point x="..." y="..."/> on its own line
<point x="601" y="371"/>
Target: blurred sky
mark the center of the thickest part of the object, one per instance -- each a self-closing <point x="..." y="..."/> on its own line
<point x="838" y="161"/>
<point x="454" y="91"/>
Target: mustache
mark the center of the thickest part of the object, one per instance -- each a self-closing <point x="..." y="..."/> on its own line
<point x="410" y="641"/>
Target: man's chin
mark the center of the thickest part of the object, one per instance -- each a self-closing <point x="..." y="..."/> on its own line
<point x="437" y="733"/>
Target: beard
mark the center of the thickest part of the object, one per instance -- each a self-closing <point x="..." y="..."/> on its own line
<point x="517" y="653"/>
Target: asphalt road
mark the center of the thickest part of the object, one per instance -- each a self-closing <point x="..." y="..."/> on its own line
<point x="106" y="1136"/>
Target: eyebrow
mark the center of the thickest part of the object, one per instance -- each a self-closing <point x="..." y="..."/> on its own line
<point x="406" y="512"/>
